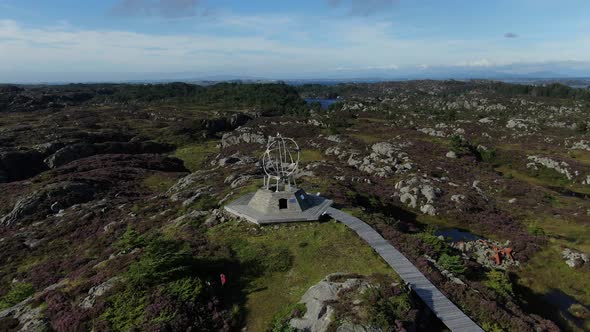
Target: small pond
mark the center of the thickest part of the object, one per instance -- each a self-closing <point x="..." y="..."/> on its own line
<point x="563" y="302"/>
<point x="324" y="102"/>
<point x="457" y="235"/>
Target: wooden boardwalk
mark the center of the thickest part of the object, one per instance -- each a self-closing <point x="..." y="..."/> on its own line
<point x="443" y="308"/>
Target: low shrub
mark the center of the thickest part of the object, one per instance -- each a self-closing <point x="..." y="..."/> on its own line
<point x="163" y="260"/>
<point x="18" y="292"/>
<point x="384" y="308"/>
<point x="130" y="240"/>
<point x="499" y="282"/>
<point x="453" y="264"/>
<point x="535" y="229"/>
<point x="184" y="289"/>
<point x="125" y="310"/>
<point x="432" y="241"/>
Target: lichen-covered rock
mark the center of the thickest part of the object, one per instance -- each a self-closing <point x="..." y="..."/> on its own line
<point x="432" y="132"/>
<point x="417" y="191"/>
<point x="574" y="258"/>
<point x="65" y="194"/>
<point x="191" y="187"/>
<point x="317" y="299"/>
<point x="82" y="150"/>
<point x="457" y="198"/>
<point x="516" y="123"/>
<point x="242" y="135"/>
<point x="385" y="159"/>
<point x="558" y="166"/>
<point x="581" y="145"/>
<point x="451" y="155"/>
<point x="30" y="316"/>
<point x="97" y="291"/>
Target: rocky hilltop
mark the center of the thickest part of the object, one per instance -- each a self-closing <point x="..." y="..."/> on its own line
<point x="111" y="197"/>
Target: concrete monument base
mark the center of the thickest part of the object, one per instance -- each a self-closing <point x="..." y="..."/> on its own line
<point x="266" y="206"/>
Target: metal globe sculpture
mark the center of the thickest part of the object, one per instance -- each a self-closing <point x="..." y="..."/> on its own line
<point x="280" y="162"/>
<point x="279" y="200"/>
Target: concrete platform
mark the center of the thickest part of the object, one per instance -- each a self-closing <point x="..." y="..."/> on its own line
<point x="315" y="206"/>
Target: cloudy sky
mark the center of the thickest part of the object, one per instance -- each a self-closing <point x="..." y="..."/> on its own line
<point x="74" y="40"/>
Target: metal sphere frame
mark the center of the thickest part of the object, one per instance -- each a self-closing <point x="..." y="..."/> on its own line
<point x="278" y="162"/>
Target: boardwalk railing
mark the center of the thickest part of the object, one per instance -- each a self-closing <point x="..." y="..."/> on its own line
<point x="455" y="319"/>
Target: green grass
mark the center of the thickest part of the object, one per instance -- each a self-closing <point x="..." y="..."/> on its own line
<point x="580" y="156"/>
<point x="367" y="138"/>
<point x="547" y="269"/>
<point x="159" y="182"/>
<point x="544" y="180"/>
<point x="194" y="155"/>
<point x="308" y="155"/>
<point x="317" y="249"/>
<point x="316" y="184"/>
<point x="17" y="293"/>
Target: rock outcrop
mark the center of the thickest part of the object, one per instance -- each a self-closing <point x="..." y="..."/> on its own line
<point x="55" y="196"/>
<point x="97" y="291"/>
<point x="317" y="299"/>
<point x="242" y="135"/>
<point x="418" y="192"/>
<point x="558" y="166"/>
<point x="574" y="258"/>
<point x="82" y="150"/>
<point x="384" y="160"/>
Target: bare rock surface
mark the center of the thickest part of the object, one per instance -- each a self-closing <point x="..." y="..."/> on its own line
<point x="574" y="258"/>
<point x="317" y="301"/>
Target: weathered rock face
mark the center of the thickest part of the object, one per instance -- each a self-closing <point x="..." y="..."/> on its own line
<point x="581" y="145"/>
<point x="191" y="187"/>
<point x="558" y="166"/>
<point x="19" y="165"/>
<point x="54" y="196"/>
<point x="516" y="123"/>
<point x="384" y="160"/>
<point x="317" y="300"/>
<point x="418" y="192"/>
<point x="575" y="258"/>
<point x="26" y="316"/>
<point x="70" y="153"/>
<point x="82" y="150"/>
<point x="242" y="135"/>
<point x="213" y="126"/>
<point x="97" y="291"/>
<point x="235" y="159"/>
<point x="451" y="155"/>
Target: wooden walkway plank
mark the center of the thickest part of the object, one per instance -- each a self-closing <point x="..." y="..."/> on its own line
<point x="455" y="319"/>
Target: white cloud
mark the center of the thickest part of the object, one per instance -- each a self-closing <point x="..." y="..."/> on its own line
<point x="476" y="63"/>
<point x="275" y="46"/>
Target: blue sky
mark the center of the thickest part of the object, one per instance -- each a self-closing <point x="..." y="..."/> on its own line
<point x="66" y="40"/>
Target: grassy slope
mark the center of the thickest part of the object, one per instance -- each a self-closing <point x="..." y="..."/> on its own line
<point x="194" y="155"/>
<point x="547" y="270"/>
<point x="318" y="249"/>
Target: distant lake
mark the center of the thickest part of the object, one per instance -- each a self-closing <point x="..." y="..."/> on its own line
<point x="324" y="102"/>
